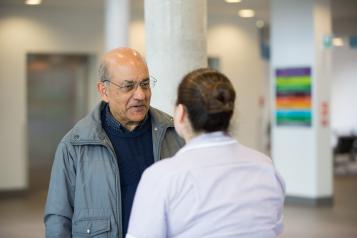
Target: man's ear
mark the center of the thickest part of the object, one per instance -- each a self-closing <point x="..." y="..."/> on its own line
<point x="102" y="90"/>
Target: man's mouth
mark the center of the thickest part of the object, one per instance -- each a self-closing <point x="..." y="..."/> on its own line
<point x="139" y="107"/>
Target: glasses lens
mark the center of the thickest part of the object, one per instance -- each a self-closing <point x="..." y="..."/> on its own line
<point x="127" y="86"/>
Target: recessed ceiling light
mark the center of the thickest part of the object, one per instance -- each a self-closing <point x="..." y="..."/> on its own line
<point x="233" y="1"/>
<point x="33" y="2"/>
<point x="337" y="41"/>
<point x="246" y="13"/>
<point x="259" y="23"/>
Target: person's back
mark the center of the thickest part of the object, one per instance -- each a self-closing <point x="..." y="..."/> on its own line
<point x="213" y="186"/>
<point x="216" y="187"/>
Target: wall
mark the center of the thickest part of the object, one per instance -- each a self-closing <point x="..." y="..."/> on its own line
<point x="36" y="29"/>
<point x="235" y="42"/>
<point x="344" y="80"/>
<point x="302" y="154"/>
<point x="343" y="93"/>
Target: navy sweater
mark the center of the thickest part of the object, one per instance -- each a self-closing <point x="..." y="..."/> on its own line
<point x="134" y="151"/>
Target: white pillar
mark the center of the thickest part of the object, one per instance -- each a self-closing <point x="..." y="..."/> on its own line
<point x="175" y="44"/>
<point x="117" y="14"/>
<point x="302" y="152"/>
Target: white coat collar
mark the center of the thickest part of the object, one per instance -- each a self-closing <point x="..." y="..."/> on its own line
<point x="205" y="140"/>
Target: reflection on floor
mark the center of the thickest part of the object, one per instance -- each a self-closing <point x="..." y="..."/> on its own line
<point x="344" y="165"/>
<point x="22" y="217"/>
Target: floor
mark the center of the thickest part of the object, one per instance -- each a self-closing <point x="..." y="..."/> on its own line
<point x="326" y="222"/>
<point x="22" y="217"/>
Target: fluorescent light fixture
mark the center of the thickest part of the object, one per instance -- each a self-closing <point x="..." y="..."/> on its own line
<point x="233" y="1"/>
<point x="246" y="13"/>
<point x="337" y="41"/>
<point x="33" y="2"/>
<point x="259" y="23"/>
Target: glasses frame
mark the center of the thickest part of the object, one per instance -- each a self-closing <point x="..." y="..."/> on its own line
<point x="152" y="83"/>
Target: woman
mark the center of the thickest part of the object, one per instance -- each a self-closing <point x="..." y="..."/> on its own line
<point x="213" y="186"/>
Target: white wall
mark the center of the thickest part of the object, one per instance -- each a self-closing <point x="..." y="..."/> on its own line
<point x="302" y="154"/>
<point x="235" y="42"/>
<point x="36" y="30"/>
<point x="344" y="88"/>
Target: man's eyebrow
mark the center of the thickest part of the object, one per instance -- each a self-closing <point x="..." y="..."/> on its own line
<point x="133" y="81"/>
<point x="129" y="81"/>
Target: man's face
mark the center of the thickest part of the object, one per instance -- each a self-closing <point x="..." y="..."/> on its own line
<point x="128" y="100"/>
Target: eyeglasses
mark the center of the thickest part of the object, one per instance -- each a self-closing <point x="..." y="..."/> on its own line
<point x="129" y="85"/>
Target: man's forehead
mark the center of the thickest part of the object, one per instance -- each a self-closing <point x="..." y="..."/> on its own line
<point x="127" y="72"/>
<point x="124" y="56"/>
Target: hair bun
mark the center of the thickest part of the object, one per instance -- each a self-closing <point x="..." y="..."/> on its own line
<point x="209" y="97"/>
<point x="219" y="101"/>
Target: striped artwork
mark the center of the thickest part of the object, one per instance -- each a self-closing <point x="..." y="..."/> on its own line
<point x="293" y="97"/>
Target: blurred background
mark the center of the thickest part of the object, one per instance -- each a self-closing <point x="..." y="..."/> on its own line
<point x="49" y="54"/>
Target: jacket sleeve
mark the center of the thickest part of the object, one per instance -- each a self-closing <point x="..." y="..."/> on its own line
<point x="171" y="143"/>
<point x="60" y="198"/>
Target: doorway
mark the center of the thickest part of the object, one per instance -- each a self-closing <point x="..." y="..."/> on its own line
<point x="57" y="96"/>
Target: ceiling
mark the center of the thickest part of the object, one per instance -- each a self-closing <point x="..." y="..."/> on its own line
<point x="340" y="8"/>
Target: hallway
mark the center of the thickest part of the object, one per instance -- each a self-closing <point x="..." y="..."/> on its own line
<point x="22" y="217"/>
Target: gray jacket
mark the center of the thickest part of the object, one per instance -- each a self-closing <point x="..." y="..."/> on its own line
<point x="84" y="198"/>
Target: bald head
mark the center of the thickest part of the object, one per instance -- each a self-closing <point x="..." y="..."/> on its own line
<point x="121" y="72"/>
<point x="123" y="60"/>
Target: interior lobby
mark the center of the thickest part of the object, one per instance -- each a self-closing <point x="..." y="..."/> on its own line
<point x="50" y="53"/>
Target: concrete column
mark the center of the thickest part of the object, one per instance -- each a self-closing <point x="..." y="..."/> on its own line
<point x="175" y="43"/>
<point x="300" y="80"/>
<point x="117" y="15"/>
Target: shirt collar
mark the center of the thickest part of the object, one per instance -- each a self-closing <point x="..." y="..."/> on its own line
<point x="218" y="138"/>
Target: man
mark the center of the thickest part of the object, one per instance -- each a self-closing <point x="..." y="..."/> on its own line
<point x="98" y="164"/>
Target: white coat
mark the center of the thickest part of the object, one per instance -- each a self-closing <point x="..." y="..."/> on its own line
<point x="212" y="187"/>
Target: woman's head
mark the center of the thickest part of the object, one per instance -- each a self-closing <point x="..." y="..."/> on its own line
<point x="208" y="98"/>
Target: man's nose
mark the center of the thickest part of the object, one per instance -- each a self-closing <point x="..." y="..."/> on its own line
<point x="139" y="93"/>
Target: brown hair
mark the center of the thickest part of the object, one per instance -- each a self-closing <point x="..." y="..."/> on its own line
<point x="209" y="97"/>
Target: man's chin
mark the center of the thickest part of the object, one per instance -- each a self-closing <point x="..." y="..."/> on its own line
<point x="138" y="115"/>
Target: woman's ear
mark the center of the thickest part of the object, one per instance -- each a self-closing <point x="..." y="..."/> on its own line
<point x="179" y="116"/>
<point x="102" y="90"/>
<point x="181" y="112"/>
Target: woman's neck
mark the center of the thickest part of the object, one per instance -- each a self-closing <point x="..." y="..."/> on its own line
<point x="189" y="135"/>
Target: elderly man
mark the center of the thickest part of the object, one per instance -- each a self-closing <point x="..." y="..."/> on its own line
<point x="98" y="164"/>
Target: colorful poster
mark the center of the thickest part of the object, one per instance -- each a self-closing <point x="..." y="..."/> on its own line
<point x="293" y="97"/>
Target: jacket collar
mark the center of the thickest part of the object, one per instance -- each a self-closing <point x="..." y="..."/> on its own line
<point x="89" y="130"/>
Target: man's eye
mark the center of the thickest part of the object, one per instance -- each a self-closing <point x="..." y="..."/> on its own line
<point x="127" y="87"/>
<point x="145" y="84"/>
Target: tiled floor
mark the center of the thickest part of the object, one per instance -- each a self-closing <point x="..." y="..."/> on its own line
<point x="22" y="217"/>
